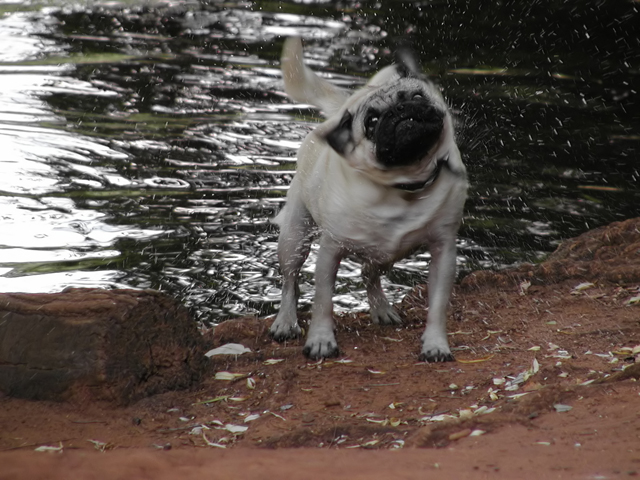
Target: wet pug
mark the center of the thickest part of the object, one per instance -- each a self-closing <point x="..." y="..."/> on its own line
<point x="380" y="177"/>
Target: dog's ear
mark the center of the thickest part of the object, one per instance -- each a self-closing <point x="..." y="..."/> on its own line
<point x="340" y="137"/>
<point x="407" y="64"/>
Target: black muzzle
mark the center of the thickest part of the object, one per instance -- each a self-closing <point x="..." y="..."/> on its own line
<point x="407" y="131"/>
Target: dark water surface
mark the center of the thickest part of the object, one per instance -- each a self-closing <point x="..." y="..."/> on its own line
<point x="147" y="146"/>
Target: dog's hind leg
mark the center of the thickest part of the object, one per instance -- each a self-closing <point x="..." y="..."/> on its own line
<point x="380" y="309"/>
<point x="293" y="248"/>
<point x="435" y="345"/>
<point x="321" y="340"/>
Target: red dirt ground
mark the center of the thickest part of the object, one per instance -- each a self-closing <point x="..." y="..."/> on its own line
<point x="538" y="391"/>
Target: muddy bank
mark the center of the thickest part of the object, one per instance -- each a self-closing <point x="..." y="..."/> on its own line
<point x="539" y="350"/>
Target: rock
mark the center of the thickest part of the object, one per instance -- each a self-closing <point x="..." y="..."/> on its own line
<point x="94" y="344"/>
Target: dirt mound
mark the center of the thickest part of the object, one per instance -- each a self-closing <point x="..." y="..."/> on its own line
<point x="539" y="353"/>
<point x="608" y="254"/>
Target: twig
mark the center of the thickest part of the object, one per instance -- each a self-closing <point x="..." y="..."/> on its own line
<point x="35" y="444"/>
<point x="630" y="372"/>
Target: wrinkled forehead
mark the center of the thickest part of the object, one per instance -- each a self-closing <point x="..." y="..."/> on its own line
<point x="403" y="88"/>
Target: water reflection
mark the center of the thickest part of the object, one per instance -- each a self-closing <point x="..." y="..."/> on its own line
<point x="149" y="146"/>
<point x="47" y="241"/>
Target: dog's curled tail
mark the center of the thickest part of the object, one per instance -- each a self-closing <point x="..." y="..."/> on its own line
<point x="303" y="85"/>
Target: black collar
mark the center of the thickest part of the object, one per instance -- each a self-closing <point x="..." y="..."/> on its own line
<point x="415" y="187"/>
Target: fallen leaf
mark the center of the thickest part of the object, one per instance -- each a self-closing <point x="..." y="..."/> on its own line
<point x="228" y="375"/>
<point x="210" y="443"/>
<point x="518" y="395"/>
<point x="397" y="444"/>
<point x="273" y="361"/>
<point x="580" y="287"/>
<point x="394" y="422"/>
<point x="476" y="360"/>
<point x="198" y="430"/>
<point x="461" y="434"/>
<point x="633" y="300"/>
<point x="465" y="414"/>
<point x="437" y="418"/>
<point x="535" y="367"/>
<point x="276" y="415"/>
<point x="228" y="349"/>
<point x="484" y="410"/>
<point x="380" y="421"/>
<point x="100" y="446"/>
<point x="370" y="443"/>
<point x="560" y="408"/>
<point x="49" y="448"/>
<point x="236" y="429"/>
<point x="460" y="332"/>
<point x="623" y="351"/>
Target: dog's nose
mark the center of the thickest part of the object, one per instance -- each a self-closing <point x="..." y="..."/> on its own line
<point x="407" y="131"/>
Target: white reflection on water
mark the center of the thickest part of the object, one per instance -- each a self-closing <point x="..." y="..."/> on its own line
<point x="17" y="39"/>
<point x="56" y="223"/>
<point x="24" y="255"/>
<point x="39" y="225"/>
<point x="55" y="282"/>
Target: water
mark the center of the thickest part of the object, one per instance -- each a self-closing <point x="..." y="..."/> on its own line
<point x="148" y="146"/>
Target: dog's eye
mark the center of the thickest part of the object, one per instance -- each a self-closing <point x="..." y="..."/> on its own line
<point x="417" y="96"/>
<point x="370" y="125"/>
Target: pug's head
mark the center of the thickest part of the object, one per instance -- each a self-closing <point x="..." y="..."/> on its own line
<point x="394" y="126"/>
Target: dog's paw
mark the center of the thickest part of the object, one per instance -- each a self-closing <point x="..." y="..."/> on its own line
<point x="321" y="346"/>
<point x="385" y="314"/>
<point x="435" y="350"/>
<point x="436" y="355"/>
<point x="282" y="330"/>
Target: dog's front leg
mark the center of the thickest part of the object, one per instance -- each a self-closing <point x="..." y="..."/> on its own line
<point x="321" y="340"/>
<point x="435" y="345"/>
<point x="293" y="249"/>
